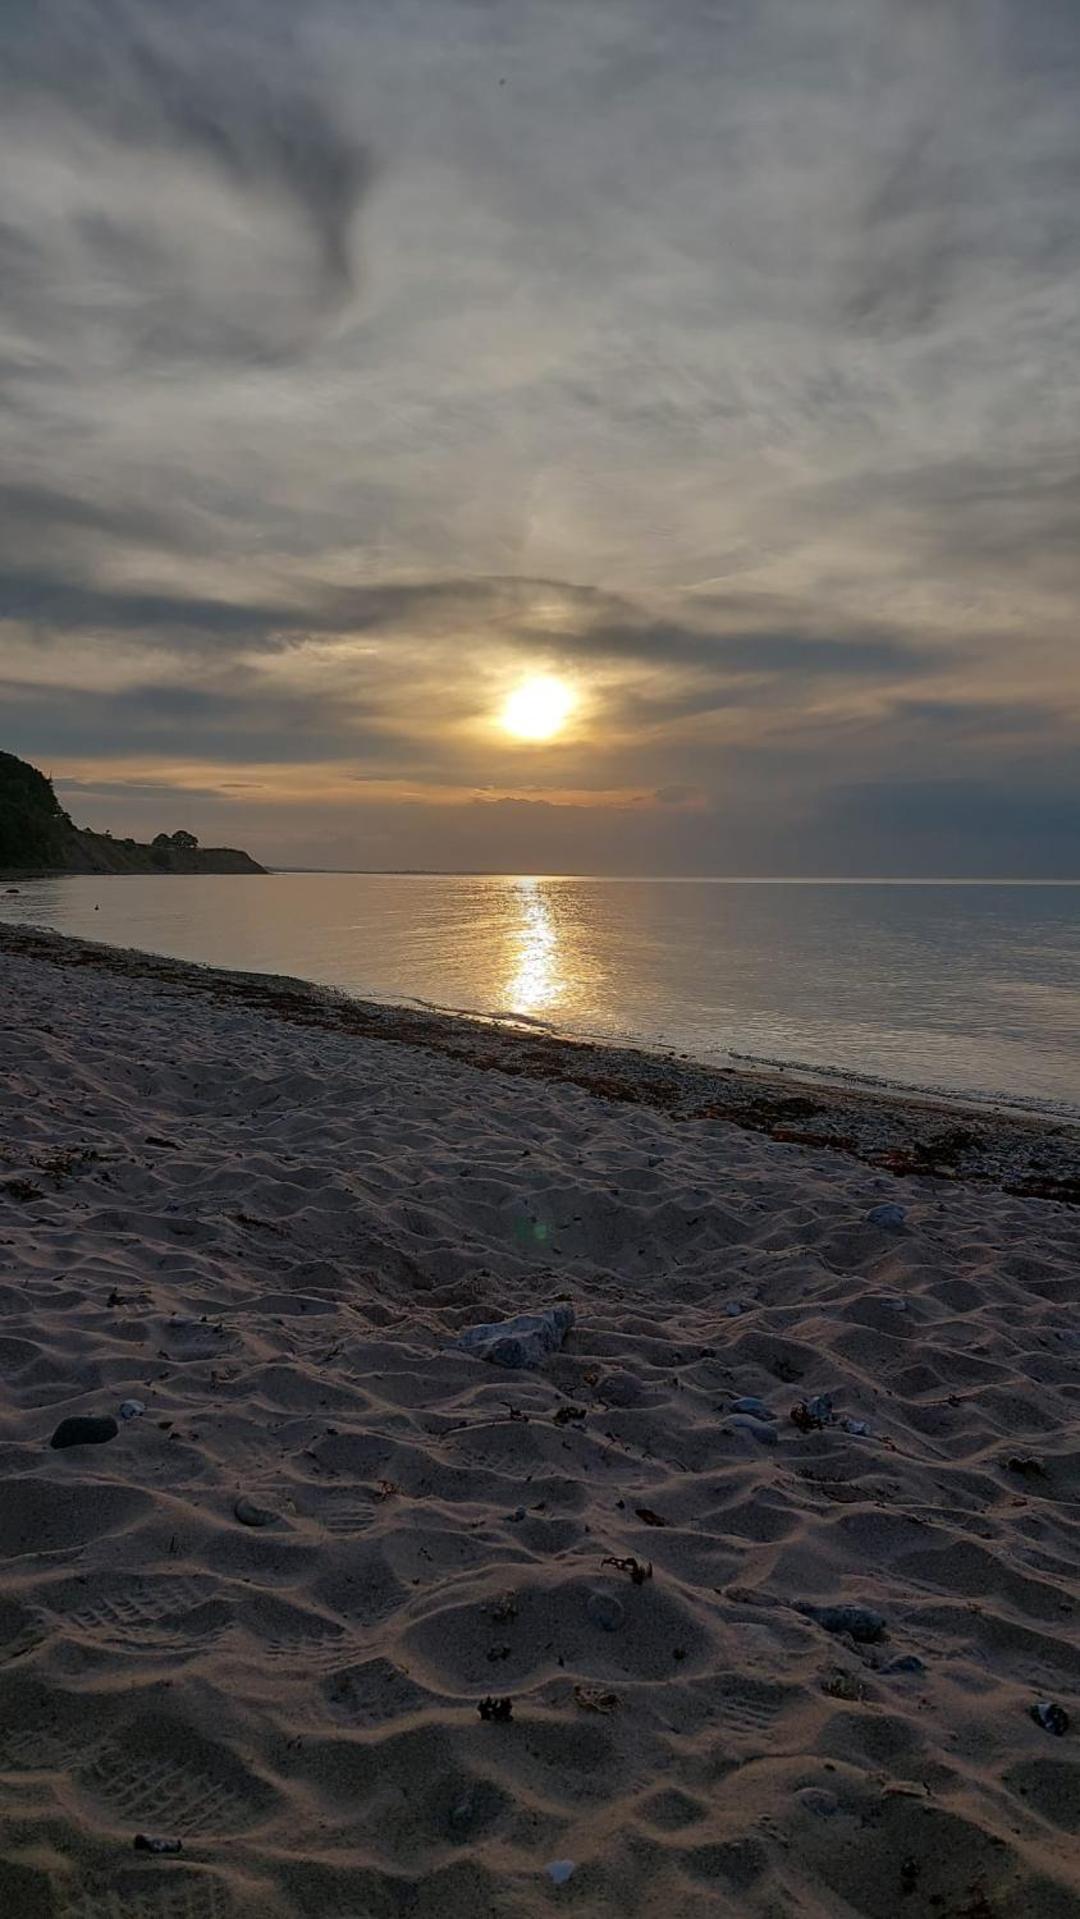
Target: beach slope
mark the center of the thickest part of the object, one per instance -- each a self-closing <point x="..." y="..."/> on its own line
<point x="262" y="1619"/>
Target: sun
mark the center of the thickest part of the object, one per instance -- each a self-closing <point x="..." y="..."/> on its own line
<point x="538" y="709"/>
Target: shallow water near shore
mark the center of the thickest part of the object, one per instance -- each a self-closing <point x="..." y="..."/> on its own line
<point x="967" y="988"/>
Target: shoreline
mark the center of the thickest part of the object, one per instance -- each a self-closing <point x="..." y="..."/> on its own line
<point x="909" y="1133"/>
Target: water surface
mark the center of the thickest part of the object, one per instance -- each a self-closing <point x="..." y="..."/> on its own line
<point x="960" y="986"/>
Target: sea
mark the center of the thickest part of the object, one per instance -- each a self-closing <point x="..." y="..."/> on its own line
<point x="961" y="987"/>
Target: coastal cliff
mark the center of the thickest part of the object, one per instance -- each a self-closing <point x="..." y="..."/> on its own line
<point x="38" y="838"/>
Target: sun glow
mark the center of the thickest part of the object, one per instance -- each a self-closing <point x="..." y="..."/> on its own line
<point x="538" y="709"/>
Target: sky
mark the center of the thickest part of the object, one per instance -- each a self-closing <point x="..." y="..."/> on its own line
<point x="716" y="357"/>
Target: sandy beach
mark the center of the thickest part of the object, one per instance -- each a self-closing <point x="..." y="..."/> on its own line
<point x="261" y="1620"/>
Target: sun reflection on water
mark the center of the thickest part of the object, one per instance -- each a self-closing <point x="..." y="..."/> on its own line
<point x="536" y="982"/>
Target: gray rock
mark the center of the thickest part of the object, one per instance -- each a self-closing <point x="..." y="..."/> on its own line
<point x="559" y="1871"/>
<point x="813" y="1415"/>
<point x="751" y="1404"/>
<point x="858" y="1428"/>
<point x="733" y="1310"/>
<point x="756" y="1428"/>
<point x="83" y="1429"/>
<point x="620" y="1389"/>
<point x="1051" y="1717"/>
<point x="907" y="1664"/>
<point x="889" y="1215"/>
<point x="606" y="1611"/>
<point x="522" y="1341"/>
<point x="131" y="1409"/>
<point x="861" y="1622"/>
<point x="820" y="1409"/>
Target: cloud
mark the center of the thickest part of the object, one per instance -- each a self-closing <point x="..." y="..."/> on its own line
<point x="757" y="651"/>
<point x="42" y="598"/>
<point x="198" y="189"/>
<point x="949" y="827"/>
<point x="241" y="722"/>
<point x="909" y="247"/>
<point x="354" y="362"/>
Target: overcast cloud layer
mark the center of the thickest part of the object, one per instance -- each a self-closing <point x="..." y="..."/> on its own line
<point x="721" y="354"/>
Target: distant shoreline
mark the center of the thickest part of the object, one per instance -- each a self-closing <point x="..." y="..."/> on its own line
<point x="38" y="840"/>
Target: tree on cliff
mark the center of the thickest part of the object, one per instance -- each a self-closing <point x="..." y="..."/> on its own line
<point x="186" y="841"/>
<point x="37" y="835"/>
<point x="33" y="823"/>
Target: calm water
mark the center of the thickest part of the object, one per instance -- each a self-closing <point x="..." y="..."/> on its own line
<point x="965" y="987"/>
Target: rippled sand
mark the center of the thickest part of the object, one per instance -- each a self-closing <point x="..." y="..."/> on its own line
<point x="270" y="1232"/>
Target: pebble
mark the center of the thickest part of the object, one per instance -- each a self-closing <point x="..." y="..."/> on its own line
<point x="1051" y="1717"/>
<point x="143" y="1842"/>
<point x="858" y="1428"/>
<point x="606" y="1611"/>
<point x="249" y="1514"/>
<point x="862" y="1622"/>
<point x="757" y="1429"/>
<point x="620" y="1389"/>
<point x="754" y="1406"/>
<point x="131" y="1409"/>
<point x="559" y="1871"/>
<point x="908" y="1662"/>
<point x="889" y="1215"/>
<point x="518" y="1513"/>
<point x="734" y="1310"/>
<point x="83" y="1429"/>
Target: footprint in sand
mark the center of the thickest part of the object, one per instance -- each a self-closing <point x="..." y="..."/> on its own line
<point x="172" y="1892"/>
<point x="157" y="1775"/>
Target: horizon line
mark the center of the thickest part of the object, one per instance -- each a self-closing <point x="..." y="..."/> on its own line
<point x="683" y="879"/>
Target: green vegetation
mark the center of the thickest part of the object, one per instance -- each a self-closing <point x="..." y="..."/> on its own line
<point x="36" y="836"/>
<point x="33" y="824"/>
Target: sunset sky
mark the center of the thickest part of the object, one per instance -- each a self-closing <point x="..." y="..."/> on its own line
<point x="715" y="361"/>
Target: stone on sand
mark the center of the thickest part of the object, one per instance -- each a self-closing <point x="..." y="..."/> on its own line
<point x="522" y="1341"/>
<point x="889" y="1214"/>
